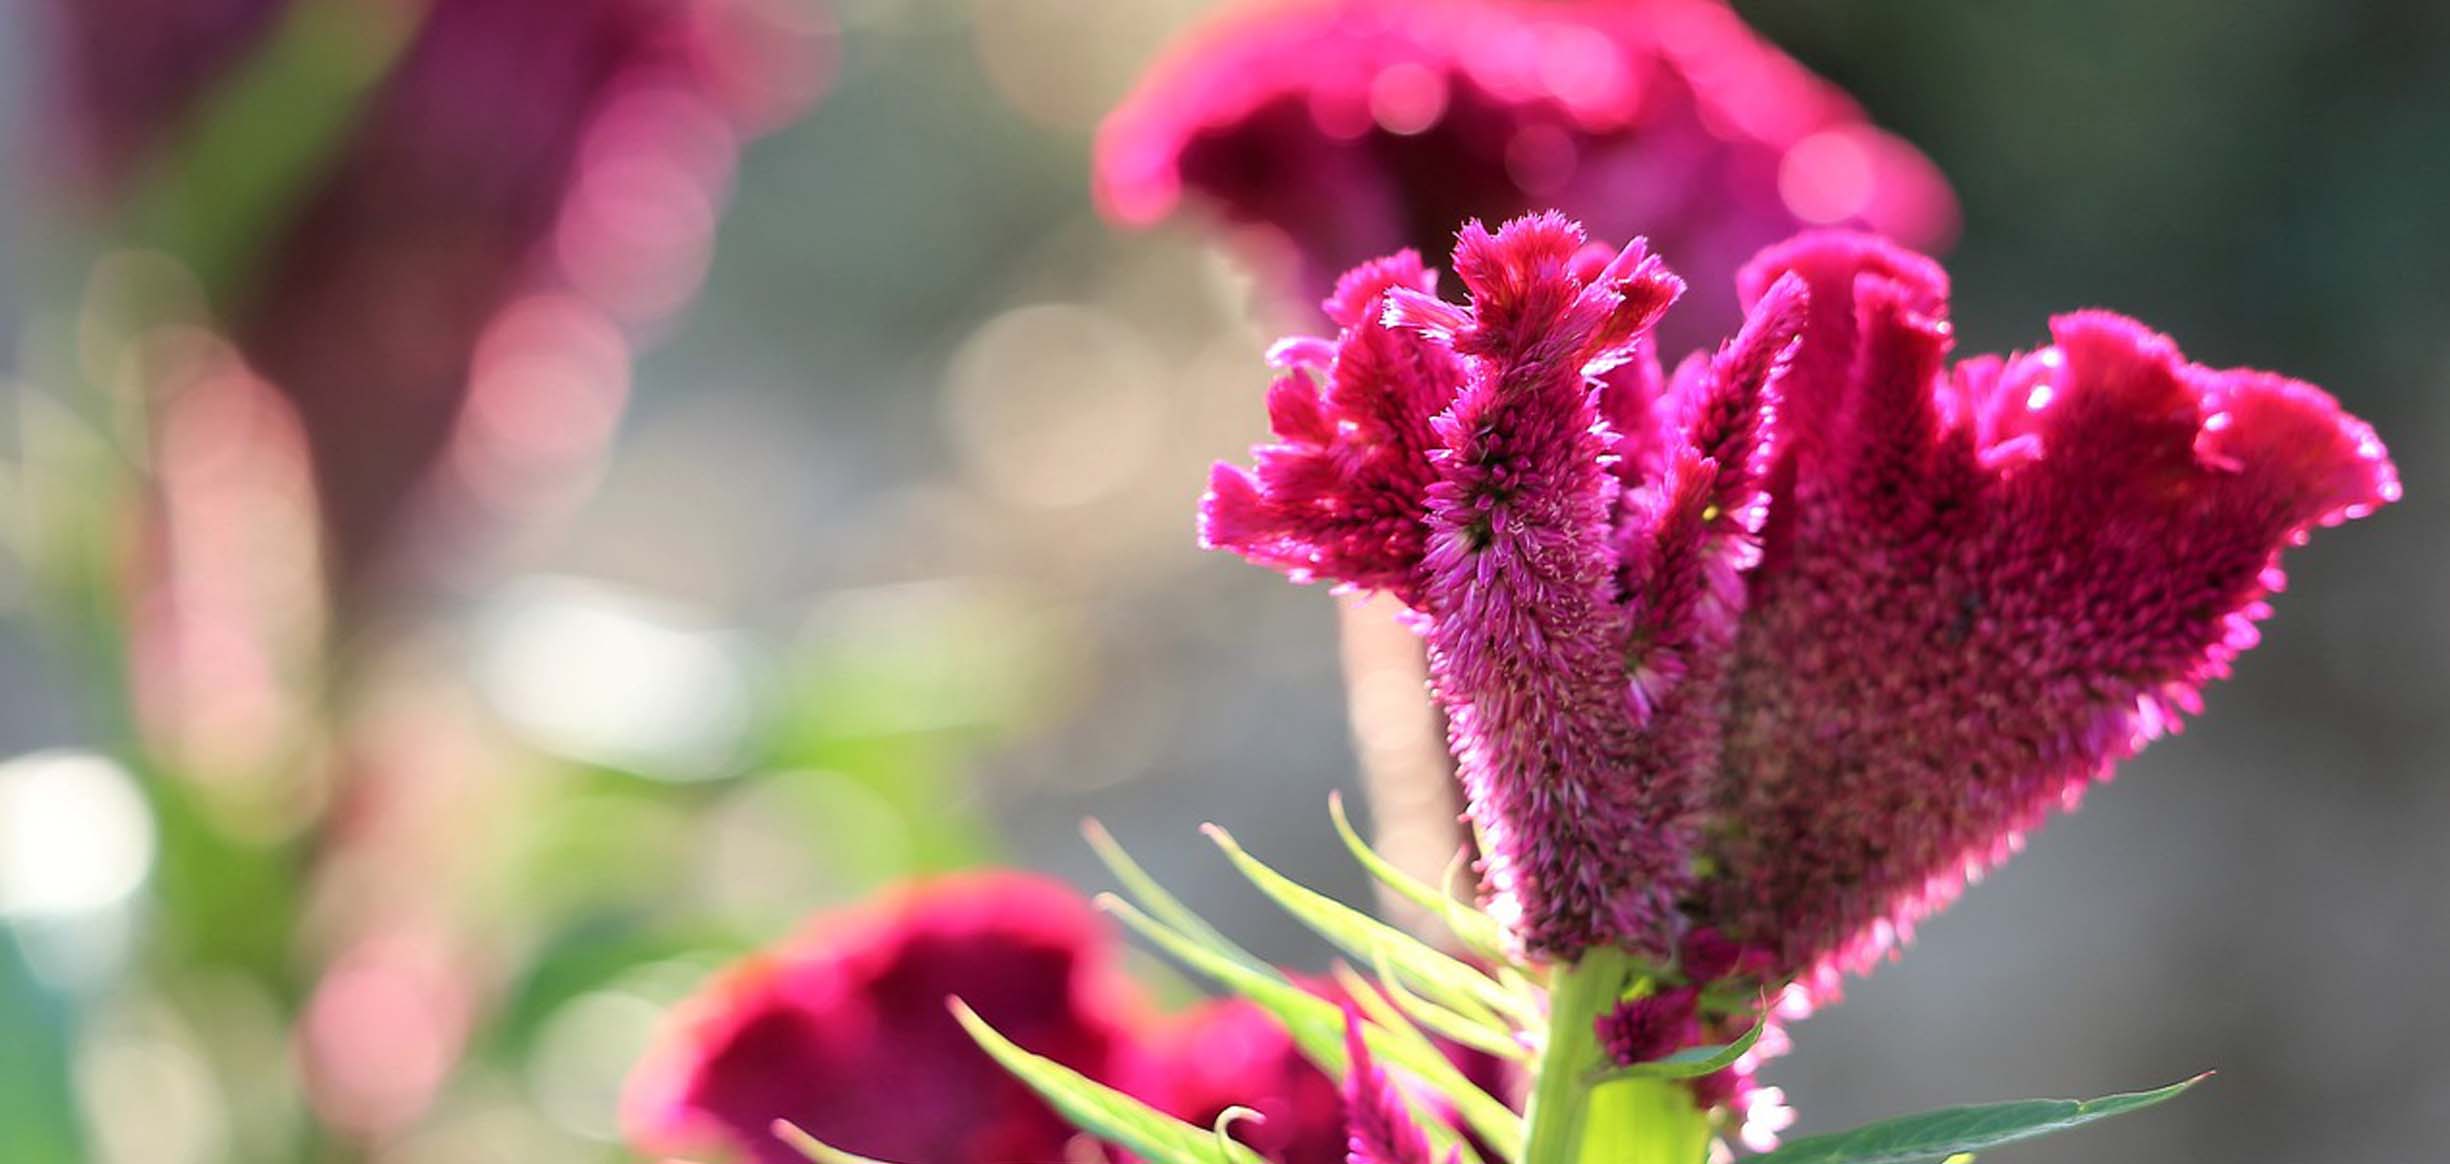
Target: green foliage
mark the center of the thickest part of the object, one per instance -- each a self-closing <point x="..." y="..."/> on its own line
<point x="1101" y="1110"/>
<point x="1446" y="980"/>
<point x="1317" y="1027"/>
<point x="1478" y="932"/>
<point x="258" y="144"/>
<point x="815" y="1149"/>
<point x="36" y="1110"/>
<point x="1937" y="1136"/>
<point x="1580" y="1108"/>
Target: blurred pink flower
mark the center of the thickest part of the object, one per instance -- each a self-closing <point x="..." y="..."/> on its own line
<point x="1793" y="648"/>
<point x="1331" y="132"/>
<point x="845" y="1033"/>
<point x="1230" y="1053"/>
<point x="567" y="158"/>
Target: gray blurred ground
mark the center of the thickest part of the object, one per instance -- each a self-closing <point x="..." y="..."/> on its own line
<point x="2262" y="895"/>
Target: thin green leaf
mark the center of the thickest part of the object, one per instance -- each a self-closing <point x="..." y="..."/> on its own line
<point x="1478" y="932"/>
<point x="815" y="1149"/>
<point x="1153" y="897"/>
<point x="1689" y="1063"/>
<point x="1450" y="981"/>
<point x="1935" y="1136"/>
<point x="1101" y="1110"/>
<point x="1446" y="1023"/>
<point x="1317" y="1027"/>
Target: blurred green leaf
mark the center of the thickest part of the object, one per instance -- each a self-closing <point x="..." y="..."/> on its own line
<point x="257" y="146"/>
<point x="1478" y="932"/>
<point x="1317" y="1027"/>
<point x="1935" y="1136"/>
<point x="1154" y="897"/>
<point x="1446" y="1023"/>
<point x="1102" y="1110"/>
<point x="589" y="955"/>
<point x="815" y="1149"/>
<point x="37" y="1110"/>
<point x="1448" y="981"/>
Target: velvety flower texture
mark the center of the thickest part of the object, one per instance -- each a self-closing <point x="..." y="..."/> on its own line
<point x="528" y="179"/>
<point x="844" y="1032"/>
<point x="1790" y="644"/>
<point x="1332" y="132"/>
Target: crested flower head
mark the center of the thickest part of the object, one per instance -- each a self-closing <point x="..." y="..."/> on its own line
<point x="1755" y="664"/>
<point x="1330" y="132"/>
<point x="845" y="1032"/>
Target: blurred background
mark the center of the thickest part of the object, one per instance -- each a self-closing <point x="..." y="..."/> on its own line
<point x="852" y="538"/>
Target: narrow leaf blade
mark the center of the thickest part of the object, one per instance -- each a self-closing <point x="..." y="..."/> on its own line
<point x="1478" y="932"/>
<point x="1154" y="897"/>
<point x="1447" y="980"/>
<point x="1101" y="1110"/>
<point x="817" y="1151"/>
<point x="1689" y="1063"/>
<point x="1935" y="1136"/>
<point x="1317" y="1027"/>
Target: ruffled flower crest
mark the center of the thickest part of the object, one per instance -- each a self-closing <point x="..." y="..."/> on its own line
<point x="1985" y="586"/>
<point x="1784" y="647"/>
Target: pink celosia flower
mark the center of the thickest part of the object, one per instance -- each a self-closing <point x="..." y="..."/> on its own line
<point x="1793" y="648"/>
<point x="846" y="1034"/>
<point x="1332" y="132"/>
<point x="522" y="160"/>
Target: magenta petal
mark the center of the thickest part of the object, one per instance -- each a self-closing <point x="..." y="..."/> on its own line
<point x="1989" y="588"/>
<point x="1340" y="494"/>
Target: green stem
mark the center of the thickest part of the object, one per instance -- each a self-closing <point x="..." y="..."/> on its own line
<point x="1644" y="1121"/>
<point x="1629" y="1121"/>
<point x="1560" y="1094"/>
